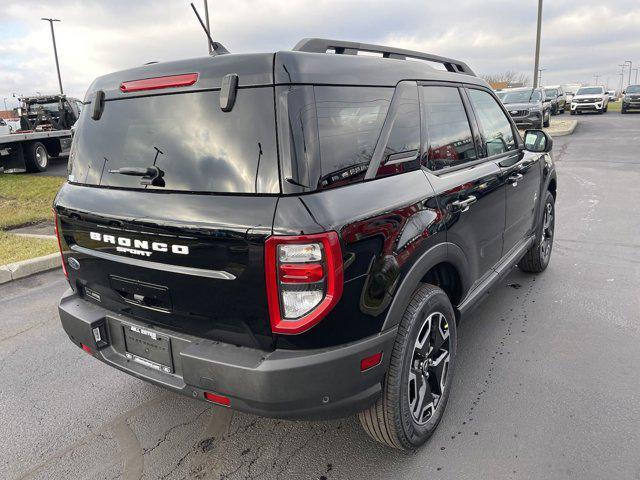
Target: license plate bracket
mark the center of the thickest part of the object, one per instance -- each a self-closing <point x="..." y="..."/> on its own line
<point x="148" y="347"/>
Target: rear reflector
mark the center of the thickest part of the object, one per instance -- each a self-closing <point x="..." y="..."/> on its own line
<point x="371" y="361"/>
<point x="156" y="83"/>
<point x="87" y="349"/>
<point x="219" y="399"/>
<point x="301" y="272"/>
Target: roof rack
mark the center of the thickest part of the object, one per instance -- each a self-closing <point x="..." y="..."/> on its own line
<point x="322" y="45"/>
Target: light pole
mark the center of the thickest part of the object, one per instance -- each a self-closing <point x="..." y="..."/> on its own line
<point x="5" y="102"/>
<point x="55" y="49"/>
<point x="622" y="76"/>
<point x="597" y="77"/>
<point x="540" y="70"/>
<point x="636" y="70"/>
<point x="630" y="65"/>
<point x="537" y="57"/>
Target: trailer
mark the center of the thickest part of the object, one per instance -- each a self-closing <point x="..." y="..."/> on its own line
<point x="30" y="151"/>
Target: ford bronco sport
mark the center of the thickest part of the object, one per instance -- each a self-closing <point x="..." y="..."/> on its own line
<point x="296" y="234"/>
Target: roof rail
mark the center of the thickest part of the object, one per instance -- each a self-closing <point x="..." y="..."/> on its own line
<point x="321" y="45"/>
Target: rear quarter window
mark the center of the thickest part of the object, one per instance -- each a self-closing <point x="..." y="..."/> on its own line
<point x="328" y="133"/>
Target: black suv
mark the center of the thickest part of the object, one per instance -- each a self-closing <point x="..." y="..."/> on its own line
<point x="297" y="234"/>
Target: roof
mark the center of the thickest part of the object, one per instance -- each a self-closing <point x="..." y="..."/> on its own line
<point x="294" y="67"/>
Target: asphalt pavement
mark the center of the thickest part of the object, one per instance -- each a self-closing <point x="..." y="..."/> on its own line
<point x="547" y="382"/>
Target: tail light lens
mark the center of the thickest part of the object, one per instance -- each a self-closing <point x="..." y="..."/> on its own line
<point x="304" y="280"/>
<point x="56" y="228"/>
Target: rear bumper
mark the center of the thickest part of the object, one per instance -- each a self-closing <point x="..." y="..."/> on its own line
<point x="308" y="384"/>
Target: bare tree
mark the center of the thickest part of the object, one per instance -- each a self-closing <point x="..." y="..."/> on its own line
<point x="507" y="78"/>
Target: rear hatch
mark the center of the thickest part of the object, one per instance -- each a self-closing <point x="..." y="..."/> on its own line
<point x="186" y="250"/>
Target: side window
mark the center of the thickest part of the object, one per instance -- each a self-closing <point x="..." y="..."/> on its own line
<point x="495" y="126"/>
<point x="447" y="126"/>
<point x="349" y="122"/>
<point x="403" y="146"/>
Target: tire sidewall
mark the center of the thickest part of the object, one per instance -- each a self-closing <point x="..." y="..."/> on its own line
<point x="417" y="434"/>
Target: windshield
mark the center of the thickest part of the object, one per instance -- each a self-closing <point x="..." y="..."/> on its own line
<point x="522" y="96"/>
<point x="633" y="89"/>
<point x="50" y="107"/>
<point x="590" y="91"/>
<point x="196" y="145"/>
<point x="551" y="92"/>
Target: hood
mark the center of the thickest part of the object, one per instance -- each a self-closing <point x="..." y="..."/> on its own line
<point x="522" y="106"/>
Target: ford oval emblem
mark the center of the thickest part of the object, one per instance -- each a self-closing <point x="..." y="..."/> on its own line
<point x="73" y="263"/>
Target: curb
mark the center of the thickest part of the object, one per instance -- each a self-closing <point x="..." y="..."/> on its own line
<point x="566" y="131"/>
<point x="25" y="268"/>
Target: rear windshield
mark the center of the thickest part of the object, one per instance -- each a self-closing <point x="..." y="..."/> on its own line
<point x="196" y="145"/>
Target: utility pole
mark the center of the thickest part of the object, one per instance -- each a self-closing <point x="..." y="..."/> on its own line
<point x="55" y="49"/>
<point x="622" y="76"/>
<point x="206" y="19"/>
<point x="597" y="77"/>
<point x="540" y="70"/>
<point x="537" y="58"/>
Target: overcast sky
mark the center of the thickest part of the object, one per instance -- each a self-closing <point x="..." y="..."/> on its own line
<point x="580" y="38"/>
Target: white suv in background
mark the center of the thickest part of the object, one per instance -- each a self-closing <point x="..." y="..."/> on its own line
<point x="590" y="99"/>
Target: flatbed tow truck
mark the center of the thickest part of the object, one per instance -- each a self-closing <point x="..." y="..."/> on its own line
<point x="45" y="131"/>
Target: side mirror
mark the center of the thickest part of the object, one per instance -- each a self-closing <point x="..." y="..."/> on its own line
<point x="624" y="92"/>
<point x="537" y="141"/>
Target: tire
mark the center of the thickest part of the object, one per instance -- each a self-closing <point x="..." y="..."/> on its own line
<point x="606" y="108"/>
<point x="537" y="257"/>
<point x="622" y="110"/>
<point x="391" y="420"/>
<point x="545" y="123"/>
<point x="36" y="157"/>
<point x="573" y="112"/>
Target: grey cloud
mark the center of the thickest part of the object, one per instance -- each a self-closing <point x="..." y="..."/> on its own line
<point x="580" y="38"/>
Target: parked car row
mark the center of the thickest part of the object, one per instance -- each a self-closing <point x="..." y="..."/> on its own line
<point x="533" y="107"/>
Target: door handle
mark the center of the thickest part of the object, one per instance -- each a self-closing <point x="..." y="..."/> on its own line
<point x="462" y="205"/>
<point x="514" y="178"/>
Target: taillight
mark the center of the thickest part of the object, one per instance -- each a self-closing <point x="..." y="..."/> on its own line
<point x="304" y="279"/>
<point x="55" y="227"/>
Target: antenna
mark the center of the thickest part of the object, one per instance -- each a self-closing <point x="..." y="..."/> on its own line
<point x="216" y="47"/>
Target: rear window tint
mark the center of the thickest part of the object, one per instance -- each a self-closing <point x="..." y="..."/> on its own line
<point x="197" y="146"/>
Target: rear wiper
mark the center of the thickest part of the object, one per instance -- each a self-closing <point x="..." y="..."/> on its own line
<point x="150" y="175"/>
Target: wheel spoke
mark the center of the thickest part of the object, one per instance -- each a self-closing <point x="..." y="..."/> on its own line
<point x="439" y="369"/>
<point x="440" y="331"/>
